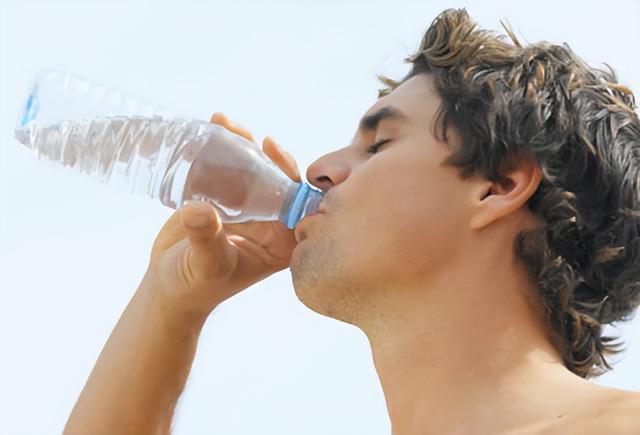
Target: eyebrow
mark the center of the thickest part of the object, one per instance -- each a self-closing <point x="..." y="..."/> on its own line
<point x="370" y="122"/>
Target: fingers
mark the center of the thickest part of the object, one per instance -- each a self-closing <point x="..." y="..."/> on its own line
<point x="285" y="161"/>
<point x="222" y="120"/>
<point x="281" y="158"/>
<point x="212" y="255"/>
<point x="172" y="232"/>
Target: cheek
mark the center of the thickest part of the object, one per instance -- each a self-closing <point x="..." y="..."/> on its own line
<point x="402" y="231"/>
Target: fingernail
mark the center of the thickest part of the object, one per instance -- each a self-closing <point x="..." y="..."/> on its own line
<point x="196" y="214"/>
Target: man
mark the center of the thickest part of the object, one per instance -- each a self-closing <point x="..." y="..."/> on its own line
<point x="481" y="228"/>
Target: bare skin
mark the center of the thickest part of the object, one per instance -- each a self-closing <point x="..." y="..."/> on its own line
<point x="423" y="263"/>
<point x="403" y="249"/>
<point x="195" y="264"/>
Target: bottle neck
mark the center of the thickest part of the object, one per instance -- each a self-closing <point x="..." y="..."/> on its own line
<point x="305" y="201"/>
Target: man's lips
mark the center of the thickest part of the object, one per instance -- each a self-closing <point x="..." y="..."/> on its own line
<point x="299" y="228"/>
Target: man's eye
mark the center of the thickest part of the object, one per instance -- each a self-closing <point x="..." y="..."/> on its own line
<point x="374" y="148"/>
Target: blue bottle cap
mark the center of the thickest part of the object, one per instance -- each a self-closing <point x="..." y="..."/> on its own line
<point x="305" y="201"/>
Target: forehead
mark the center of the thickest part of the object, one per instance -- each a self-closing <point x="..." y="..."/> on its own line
<point x="416" y="98"/>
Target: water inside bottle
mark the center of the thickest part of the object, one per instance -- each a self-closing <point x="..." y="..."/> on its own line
<point x="135" y="152"/>
<point x="170" y="159"/>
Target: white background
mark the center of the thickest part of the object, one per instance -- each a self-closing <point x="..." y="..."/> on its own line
<point x="72" y="251"/>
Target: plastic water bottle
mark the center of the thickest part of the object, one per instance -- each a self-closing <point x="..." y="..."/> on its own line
<point x="127" y="142"/>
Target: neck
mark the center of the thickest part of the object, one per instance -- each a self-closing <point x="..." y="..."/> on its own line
<point x="454" y="356"/>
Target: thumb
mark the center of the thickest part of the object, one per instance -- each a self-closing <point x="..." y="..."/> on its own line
<point x="212" y="255"/>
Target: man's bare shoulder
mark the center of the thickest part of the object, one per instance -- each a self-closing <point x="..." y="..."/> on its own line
<point x="616" y="412"/>
<point x="622" y="415"/>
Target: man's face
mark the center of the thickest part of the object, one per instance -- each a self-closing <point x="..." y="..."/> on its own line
<point x="391" y="221"/>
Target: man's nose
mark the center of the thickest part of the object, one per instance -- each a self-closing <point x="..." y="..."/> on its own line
<point x="327" y="171"/>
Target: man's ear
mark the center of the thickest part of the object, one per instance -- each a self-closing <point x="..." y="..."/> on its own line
<point x="495" y="200"/>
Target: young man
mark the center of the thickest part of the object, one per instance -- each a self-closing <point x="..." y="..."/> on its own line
<point x="481" y="228"/>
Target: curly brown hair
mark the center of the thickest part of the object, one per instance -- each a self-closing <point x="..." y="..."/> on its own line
<point x="579" y="124"/>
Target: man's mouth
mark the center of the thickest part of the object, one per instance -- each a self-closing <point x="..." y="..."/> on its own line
<point x="299" y="232"/>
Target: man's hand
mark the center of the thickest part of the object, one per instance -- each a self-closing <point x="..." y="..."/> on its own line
<point x="197" y="262"/>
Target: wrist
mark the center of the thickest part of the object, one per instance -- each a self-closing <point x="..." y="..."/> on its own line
<point x="173" y="320"/>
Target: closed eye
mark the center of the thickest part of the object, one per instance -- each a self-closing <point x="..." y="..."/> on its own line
<point x="376" y="146"/>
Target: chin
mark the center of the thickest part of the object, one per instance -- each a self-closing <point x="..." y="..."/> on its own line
<point x="322" y="280"/>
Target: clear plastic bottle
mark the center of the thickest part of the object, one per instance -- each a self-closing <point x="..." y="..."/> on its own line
<point x="125" y="141"/>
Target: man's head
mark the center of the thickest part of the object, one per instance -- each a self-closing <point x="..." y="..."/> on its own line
<point x="494" y="150"/>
